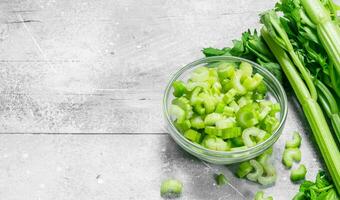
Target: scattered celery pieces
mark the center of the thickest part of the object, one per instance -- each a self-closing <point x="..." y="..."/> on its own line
<point x="295" y="142"/>
<point x="221" y="179"/>
<point x="260" y="196"/>
<point x="244" y="169"/>
<point x="298" y="174"/>
<point x="290" y="155"/>
<point x="259" y="170"/>
<point x="171" y="188"/>
<point x="223" y="107"/>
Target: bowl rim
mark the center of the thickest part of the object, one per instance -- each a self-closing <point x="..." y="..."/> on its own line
<point x="194" y="64"/>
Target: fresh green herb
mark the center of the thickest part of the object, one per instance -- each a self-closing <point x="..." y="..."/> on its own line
<point x="171" y="188"/>
<point x="298" y="174"/>
<point x="221" y="179"/>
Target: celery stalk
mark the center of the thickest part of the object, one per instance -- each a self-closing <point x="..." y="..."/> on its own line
<point x="312" y="110"/>
<point x="329" y="34"/>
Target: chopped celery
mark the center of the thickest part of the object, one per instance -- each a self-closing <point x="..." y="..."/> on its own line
<point x="200" y="74"/>
<point x="270" y="123"/>
<point x="192" y="85"/>
<point x="247" y="116"/>
<point x="197" y="122"/>
<point x="253" y="176"/>
<point x="171" y="188"/>
<point x="244" y="169"/>
<point x="246" y="69"/>
<point x="264" y="111"/>
<point x="183" y="126"/>
<point x="290" y="155"/>
<point x="213" y="77"/>
<point x="225" y="123"/>
<point x="179" y="88"/>
<point x="212" y="118"/>
<point x="199" y="109"/>
<point x="195" y="99"/>
<point x="262" y="88"/>
<point x="275" y="108"/>
<point x="228" y="111"/>
<point x="212" y="130"/>
<point x="250" y="83"/>
<point x="267" y="180"/>
<point x="254" y="132"/>
<point x="192" y="135"/>
<point x="260" y="196"/>
<point x="221" y="179"/>
<point x="215" y="143"/>
<point x="258" y="96"/>
<point x="296" y="142"/>
<point x="221" y="106"/>
<point x="226" y="70"/>
<point x="231" y="132"/>
<point x="229" y="96"/>
<point x="208" y="102"/>
<point x="249" y="95"/>
<point x="243" y="101"/>
<point x="226" y="85"/>
<point x="298" y="174"/>
<point x="234" y="106"/>
<point x="236" y="83"/>
<point x="177" y="112"/>
<point x="269" y="175"/>
<point x="269" y="169"/>
<point x="216" y="87"/>
<point x="237" y="141"/>
<point x="184" y="103"/>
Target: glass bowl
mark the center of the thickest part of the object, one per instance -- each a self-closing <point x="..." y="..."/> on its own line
<point x="275" y="93"/>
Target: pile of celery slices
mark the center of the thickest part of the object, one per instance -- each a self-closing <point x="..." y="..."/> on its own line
<point x="223" y="107"/>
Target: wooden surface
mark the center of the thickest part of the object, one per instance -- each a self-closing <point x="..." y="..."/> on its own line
<point x="81" y="84"/>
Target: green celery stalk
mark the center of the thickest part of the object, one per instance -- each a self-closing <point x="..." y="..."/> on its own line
<point x="278" y="34"/>
<point x="329" y="34"/>
<point x="311" y="108"/>
<point x="330" y="106"/>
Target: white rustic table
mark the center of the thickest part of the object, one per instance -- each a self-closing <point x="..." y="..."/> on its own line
<point x="81" y="84"/>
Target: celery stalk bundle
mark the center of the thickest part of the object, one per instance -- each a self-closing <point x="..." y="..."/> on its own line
<point x="312" y="111"/>
<point x="274" y="33"/>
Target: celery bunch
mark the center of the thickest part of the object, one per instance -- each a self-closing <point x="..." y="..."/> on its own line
<point x="300" y="78"/>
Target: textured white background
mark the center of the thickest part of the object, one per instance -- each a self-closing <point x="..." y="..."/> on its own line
<point x="81" y="85"/>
